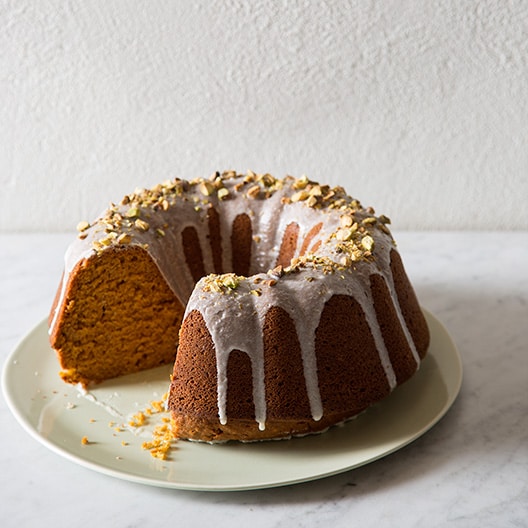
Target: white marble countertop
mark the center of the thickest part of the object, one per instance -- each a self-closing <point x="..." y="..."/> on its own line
<point x="471" y="469"/>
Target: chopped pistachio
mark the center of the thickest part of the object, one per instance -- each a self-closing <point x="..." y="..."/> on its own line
<point x="316" y="190"/>
<point x="253" y="191"/>
<point x="328" y="196"/>
<point x="300" y="183"/>
<point x="369" y="220"/>
<point x="230" y="281"/>
<point x="222" y="193"/>
<point x="141" y="225"/>
<point x="300" y="196"/>
<point x="206" y="188"/>
<point x="385" y="229"/>
<point x="278" y="271"/>
<point x="344" y="234"/>
<point x="124" y="238"/>
<point x="215" y="286"/>
<point x="346" y="220"/>
<point x="132" y="212"/>
<point x="312" y="201"/>
<point x="83" y="226"/>
<point x="267" y="180"/>
<point x="367" y="242"/>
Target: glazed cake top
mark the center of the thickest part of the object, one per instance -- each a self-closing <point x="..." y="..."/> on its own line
<point x="145" y="216"/>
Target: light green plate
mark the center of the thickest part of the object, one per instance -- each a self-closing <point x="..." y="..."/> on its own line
<point x="59" y="416"/>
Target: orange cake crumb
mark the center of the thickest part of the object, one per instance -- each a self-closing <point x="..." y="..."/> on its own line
<point x="162" y="439"/>
<point x="138" y="419"/>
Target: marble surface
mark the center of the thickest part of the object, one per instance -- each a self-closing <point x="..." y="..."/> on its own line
<point x="471" y="469"/>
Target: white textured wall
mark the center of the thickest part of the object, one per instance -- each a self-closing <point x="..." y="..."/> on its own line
<point x="419" y="108"/>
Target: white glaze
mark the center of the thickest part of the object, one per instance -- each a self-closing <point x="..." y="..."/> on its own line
<point x="302" y="295"/>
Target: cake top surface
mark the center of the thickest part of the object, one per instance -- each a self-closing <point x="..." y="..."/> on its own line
<point x="136" y="219"/>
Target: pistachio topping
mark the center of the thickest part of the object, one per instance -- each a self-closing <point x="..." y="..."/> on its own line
<point x="133" y="212"/>
<point x="312" y="201"/>
<point x="230" y="280"/>
<point x="253" y="192"/>
<point x="367" y="242"/>
<point x="141" y="225"/>
<point x="352" y="240"/>
<point x="222" y="193"/>
<point x="124" y="238"/>
<point x="268" y="180"/>
<point x="206" y="188"/>
<point x="299" y="196"/>
<point x="369" y="220"/>
<point x="346" y="220"/>
<point x="221" y="283"/>
<point x="301" y="183"/>
<point x="278" y="271"/>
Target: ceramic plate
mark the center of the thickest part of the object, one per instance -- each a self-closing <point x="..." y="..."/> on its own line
<point x="59" y="416"/>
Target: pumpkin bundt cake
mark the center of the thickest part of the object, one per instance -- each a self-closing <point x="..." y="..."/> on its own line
<point x="283" y="303"/>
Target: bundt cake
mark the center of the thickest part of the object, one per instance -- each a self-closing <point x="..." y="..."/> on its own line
<point x="283" y="303"/>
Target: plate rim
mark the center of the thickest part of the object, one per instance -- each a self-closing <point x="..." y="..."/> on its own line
<point x="453" y="389"/>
